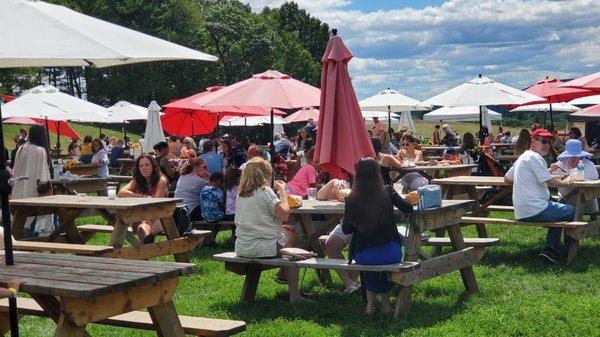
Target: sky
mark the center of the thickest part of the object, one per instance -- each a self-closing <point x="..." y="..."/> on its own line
<point x="424" y="47"/>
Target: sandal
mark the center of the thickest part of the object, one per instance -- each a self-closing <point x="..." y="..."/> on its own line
<point x="352" y="289"/>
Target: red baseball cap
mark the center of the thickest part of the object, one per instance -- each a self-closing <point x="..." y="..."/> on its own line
<point x="541" y="133"/>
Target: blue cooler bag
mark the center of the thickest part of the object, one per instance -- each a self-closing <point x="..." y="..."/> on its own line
<point x="430" y="196"/>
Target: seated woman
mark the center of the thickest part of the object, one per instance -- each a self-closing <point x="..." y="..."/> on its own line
<point x="259" y="214"/>
<point x="100" y="157"/>
<point x="147" y="182"/>
<point x="568" y="162"/>
<point x="410" y="155"/>
<point x="193" y="176"/>
<point x="305" y="177"/>
<point x="86" y="150"/>
<point x="369" y="218"/>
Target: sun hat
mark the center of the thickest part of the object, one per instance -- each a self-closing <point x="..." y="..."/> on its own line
<point x="573" y="148"/>
<point x="541" y="133"/>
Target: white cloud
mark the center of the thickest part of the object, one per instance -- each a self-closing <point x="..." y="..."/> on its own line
<point x="424" y="51"/>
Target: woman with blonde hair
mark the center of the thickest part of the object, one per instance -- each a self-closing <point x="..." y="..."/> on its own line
<point x="259" y="214"/>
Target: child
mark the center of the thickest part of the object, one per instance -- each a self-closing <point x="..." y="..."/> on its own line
<point x="43" y="225"/>
<point x="212" y="200"/>
<point x="232" y="180"/>
<point x="451" y="157"/>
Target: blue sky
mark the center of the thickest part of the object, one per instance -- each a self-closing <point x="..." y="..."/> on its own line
<point x="422" y="48"/>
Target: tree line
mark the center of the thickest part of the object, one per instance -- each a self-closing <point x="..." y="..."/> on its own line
<point x="287" y="39"/>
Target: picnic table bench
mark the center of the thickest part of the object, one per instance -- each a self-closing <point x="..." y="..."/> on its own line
<point x="126" y="211"/>
<point x="126" y="166"/>
<point x="577" y="229"/>
<point x="120" y="179"/>
<point x="77" y="290"/>
<point x="82" y="185"/>
<point x="404" y="274"/>
<point x="84" y="169"/>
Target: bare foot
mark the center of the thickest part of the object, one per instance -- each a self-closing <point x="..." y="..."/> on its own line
<point x="369" y="311"/>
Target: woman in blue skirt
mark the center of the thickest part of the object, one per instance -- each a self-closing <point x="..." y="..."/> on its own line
<point x="369" y="215"/>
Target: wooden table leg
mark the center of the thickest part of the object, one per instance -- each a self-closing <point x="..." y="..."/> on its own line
<point x="111" y="219"/>
<point x="467" y="274"/>
<point x="18" y="224"/>
<point x="251" y="282"/>
<point x="172" y="233"/>
<point x="478" y="210"/>
<point x="312" y="240"/>
<point x="412" y="249"/>
<point x="66" y="328"/>
<point x="165" y="319"/>
<point x="118" y="235"/>
<point x="67" y="225"/>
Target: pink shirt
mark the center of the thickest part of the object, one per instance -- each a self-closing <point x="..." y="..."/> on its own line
<point x="305" y="176"/>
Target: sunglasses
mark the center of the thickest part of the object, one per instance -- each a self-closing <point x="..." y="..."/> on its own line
<point x="544" y="141"/>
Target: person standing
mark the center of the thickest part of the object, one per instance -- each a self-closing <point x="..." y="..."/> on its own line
<point x="377" y="127"/>
<point x="436" y="135"/>
<point x="31" y="161"/>
<point x="531" y="198"/>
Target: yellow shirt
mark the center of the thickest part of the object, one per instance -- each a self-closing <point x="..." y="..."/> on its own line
<point x="86" y="148"/>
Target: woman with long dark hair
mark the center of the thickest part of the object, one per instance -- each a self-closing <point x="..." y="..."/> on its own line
<point x="31" y="161"/>
<point x="100" y="157"/>
<point x="147" y="182"/>
<point x="369" y="216"/>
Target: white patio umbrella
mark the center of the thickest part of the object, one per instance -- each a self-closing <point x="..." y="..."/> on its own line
<point x="588" y="100"/>
<point x="482" y="91"/>
<point x="125" y="111"/>
<point x="47" y="101"/>
<point x="154" y="131"/>
<point x="378" y="114"/>
<point x="390" y="100"/>
<point x="251" y="121"/>
<point x="406" y="120"/>
<point x="562" y="107"/>
<point x="38" y="34"/>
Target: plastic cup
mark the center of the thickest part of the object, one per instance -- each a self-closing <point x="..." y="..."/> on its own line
<point x="111" y="192"/>
<point x="311" y="193"/>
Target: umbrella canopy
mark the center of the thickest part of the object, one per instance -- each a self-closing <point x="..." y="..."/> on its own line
<point x="251" y="121"/>
<point x="61" y="128"/>
<point x="459" y="113"/>
<point x="64" y="37"/>
<point x="406" y="120"/>
<point x="587" y="100"/>
<point x="154" y="131"/>
<point x="591" y="82"/>
<point x="185" y="118"/>
<point x="47" y="101"/>
<point x="562" y="107"/>
<point x="549" y="89"/>
<point x="304" y="115"/>
<point x="390" y="100"/>
<point x="6" y="98"/>
<point x="589" y="113"/>
<point x="342" y="138"/>
<point x="125" y="111"/>
<point x="270" y="89"/>
<point x="378" y="114"/>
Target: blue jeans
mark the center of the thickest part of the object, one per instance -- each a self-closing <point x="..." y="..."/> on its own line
<point x="554" y="212"/>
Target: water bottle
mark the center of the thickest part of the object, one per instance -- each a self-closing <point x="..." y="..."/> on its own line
<point x="580" y="169"/>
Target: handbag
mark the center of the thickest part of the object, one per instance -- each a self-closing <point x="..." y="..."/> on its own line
<point x="430" y="196"/>
<point x="296" y="254"/>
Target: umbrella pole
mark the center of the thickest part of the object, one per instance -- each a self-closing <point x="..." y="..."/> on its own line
<point x="272" y="127"/>
<point x="6" y="224"/>
<point x="545" y="119"/>
<point x="551" y="118"/>
<point x="58" y="138"/>
<point x="389" y="117"/>
<point x="481" y="125"/>
<point x="49" y="148"/>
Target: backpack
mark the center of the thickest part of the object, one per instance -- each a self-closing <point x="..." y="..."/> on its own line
<point x="181" y="217"/>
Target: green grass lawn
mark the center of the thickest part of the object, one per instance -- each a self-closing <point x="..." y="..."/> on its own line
<point x="519" y="296"/>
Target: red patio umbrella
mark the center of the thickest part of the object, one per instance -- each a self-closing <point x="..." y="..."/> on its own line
<point x="60" y="128"/>
<point x="549" y="89"/>
<point x="6" y="98"/>
<point x="342" y="137"/>
<point x="589" y="113"/>
<point x="303" y="115"/>
<point x="268" y="90"/>
<point x="591" y="82"/>
<point x="185" y="118"/>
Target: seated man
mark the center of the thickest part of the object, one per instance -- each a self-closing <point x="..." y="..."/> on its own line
<point x="531" y="178"/>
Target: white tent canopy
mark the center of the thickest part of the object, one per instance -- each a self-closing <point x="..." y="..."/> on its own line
<point x="393" y="101"/>
<point x="591" y="100"/>
<point x="560" y="107"/>
<point x="464" y="114"/>
<point x="154" y="131"/>
<point x="251" y="121"/>
<point x="47" y="101"/>
<point x="38" y="34"/>
<point x="125" y="111"/>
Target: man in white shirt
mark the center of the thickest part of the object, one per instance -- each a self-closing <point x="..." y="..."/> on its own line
<point x="531" y="179"/>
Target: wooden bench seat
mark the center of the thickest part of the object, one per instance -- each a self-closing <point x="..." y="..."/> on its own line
<point x="196" y="326"/>
<point x="55" y="247"/>
<point x="500" y="221"/>
<point x="224" y="225"/>
<point x="500" y="208"/>
<point x="437" y="242"/>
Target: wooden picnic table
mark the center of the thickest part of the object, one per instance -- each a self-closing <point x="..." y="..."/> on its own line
<point x="436" y="149"/>
<point x="75" y="290"/>
<point x="447" y="217"/>
<point x="84" y="169"/>
<point x="432" y="171"/>
<point x="506" y="158"/>
<point x="126" y="166"/>
<point x="126" y="211"/>
<point x="82" y="185"/>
